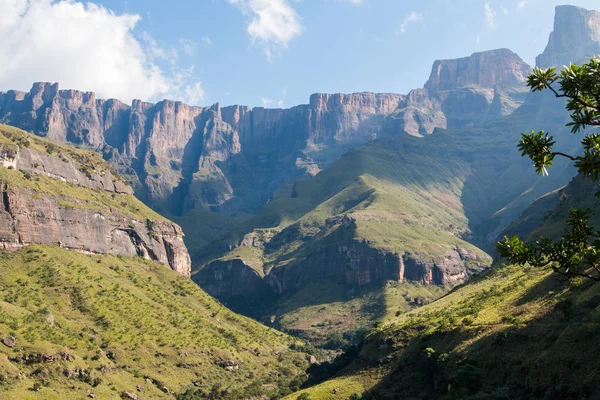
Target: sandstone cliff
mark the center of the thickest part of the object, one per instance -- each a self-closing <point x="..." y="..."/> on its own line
<point x="576" y="37"/>
<point x="55" y="195"/>
<point x="333" y="252"/>
<point x="464" y="92"/>
<point x="229" y="159"/>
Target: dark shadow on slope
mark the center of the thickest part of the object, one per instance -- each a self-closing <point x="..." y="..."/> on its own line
<point x="556" y="356"/>
<point x="503" y="183"/>
<point x="189" y="165"/>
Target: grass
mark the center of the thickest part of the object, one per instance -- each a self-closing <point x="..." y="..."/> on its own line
<point x="72" y="195"/>
<point x="89" y="161"/>
<point x="66" y="193"/>
<point x="487" y="326"/>
<point x="339" y="388"/>
<point x="330" y="316"/>
<point x="124" y="321"/>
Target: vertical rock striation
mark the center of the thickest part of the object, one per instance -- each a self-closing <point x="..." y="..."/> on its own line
<point x="228" y="159"/>
<point x="575" y="38"/>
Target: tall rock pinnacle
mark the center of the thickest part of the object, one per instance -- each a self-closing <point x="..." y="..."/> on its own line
<point x="576" y="37"/>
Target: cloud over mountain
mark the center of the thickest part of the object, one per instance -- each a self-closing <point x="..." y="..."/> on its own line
<point x="85" y="46"/>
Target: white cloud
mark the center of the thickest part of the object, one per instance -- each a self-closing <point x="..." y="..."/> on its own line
<point x="409" y="19"/>
<point x="522" y="3"/>
<point x="207" y="41"/>
<point x="188" y="46"/>
<point x="270" y="103"/>
<point x="86" y="47"/>
<point x="273" y="23"/>
<point x="154" y="51"/>
<point x="193" y="93"/>
<point x="490" y="16"/>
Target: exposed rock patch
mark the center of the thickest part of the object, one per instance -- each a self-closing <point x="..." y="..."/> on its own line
<point x="46" y="211"/>
<point x="9" y="341"/>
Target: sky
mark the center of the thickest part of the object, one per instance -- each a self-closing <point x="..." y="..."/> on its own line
<point x="270" y="53"/>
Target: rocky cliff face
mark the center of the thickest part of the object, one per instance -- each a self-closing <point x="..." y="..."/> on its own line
<point x="576" y="37"/>
<point x="55" y="195"/>
<point x="488" y="70"/>
<point x="464" y="92"/>
<point x="229" y="159"/>
<point x="340" y="258"/>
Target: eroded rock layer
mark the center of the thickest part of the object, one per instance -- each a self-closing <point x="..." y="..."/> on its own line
<point x="228" y="159"/>
<point x="70" y="198"/>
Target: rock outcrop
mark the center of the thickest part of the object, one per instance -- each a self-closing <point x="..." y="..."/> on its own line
<point x="338" y="258"/>
<point x="576" y="37"/>
<point x="51" y="195"/>
<point x="229" y="159"/>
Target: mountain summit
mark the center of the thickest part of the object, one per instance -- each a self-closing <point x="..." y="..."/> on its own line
<point x="576" y="36"/>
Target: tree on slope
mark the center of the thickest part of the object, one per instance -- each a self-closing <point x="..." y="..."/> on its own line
<point x="577" y="252"/>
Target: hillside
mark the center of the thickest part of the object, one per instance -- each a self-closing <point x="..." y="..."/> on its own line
<point x="106" y="325"/>
<point x="94" y="288"/>
<point x="56" y="194"/>
<point x="470" y="343"/>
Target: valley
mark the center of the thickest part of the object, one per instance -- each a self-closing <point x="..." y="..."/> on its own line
<point x="340" y="249"/>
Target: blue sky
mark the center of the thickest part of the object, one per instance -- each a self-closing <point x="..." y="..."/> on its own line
<point x="207" y="51"/>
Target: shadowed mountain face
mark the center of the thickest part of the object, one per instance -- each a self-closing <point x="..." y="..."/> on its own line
<point x="228" y="159"/>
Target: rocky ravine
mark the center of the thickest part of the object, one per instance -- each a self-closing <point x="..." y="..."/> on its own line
<point x="236" y="158"/>
<point x="31" y="216"/>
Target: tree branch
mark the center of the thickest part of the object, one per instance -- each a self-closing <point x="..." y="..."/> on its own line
<point x="558" y="153"/>
<point x="574" y="98"/>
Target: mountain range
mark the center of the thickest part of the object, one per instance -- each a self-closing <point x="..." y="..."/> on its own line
<point x="355" y="190"/>
<point x="324" y="220"/>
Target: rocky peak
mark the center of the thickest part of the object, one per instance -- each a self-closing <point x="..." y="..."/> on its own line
<point x="575" y="38"/>
<point x="42" y="93"/>
<point x="487" y="69"/>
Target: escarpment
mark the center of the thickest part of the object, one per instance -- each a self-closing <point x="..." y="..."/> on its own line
<point x="575" y="38"/>
<point x="56" y="195"/>
<point x="229" y="159"/>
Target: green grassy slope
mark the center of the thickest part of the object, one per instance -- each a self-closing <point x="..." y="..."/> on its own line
<point x="512" y="333"/>
<point x="104" y="325"/>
